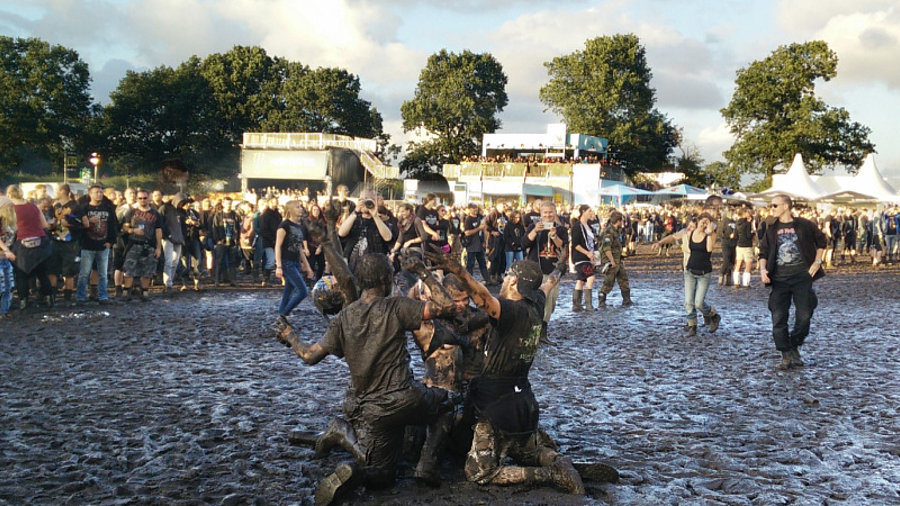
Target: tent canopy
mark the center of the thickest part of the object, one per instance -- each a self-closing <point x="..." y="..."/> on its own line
<point x="683" y="190"/>
<point x="796" y="182"/>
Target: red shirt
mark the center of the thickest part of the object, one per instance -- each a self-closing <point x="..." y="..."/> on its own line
<point x="28" y="219"/>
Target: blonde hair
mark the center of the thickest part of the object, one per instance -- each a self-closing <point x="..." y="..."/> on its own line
<point x="292" y="209"/>
<point x="14" y="192"/>
<point x="8" y="217"/>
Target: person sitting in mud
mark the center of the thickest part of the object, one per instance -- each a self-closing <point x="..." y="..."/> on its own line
<point x="504" y="404"/>
<point x="449" y="366"/>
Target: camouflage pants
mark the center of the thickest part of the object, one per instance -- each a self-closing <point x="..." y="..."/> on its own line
<point x="614" y="275"/>
<point x="490" y="448"/>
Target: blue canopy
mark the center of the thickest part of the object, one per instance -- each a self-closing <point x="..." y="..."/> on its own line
<point x="681" y="189"/>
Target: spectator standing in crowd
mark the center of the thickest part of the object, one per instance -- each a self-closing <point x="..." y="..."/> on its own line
<point x="496" y="224"/>
<point x="32" y="248"/>
<point x="790" y="259"/>
<point x="512" y="238"/>
<point x="316" y="254"/>
<point x="533" y="215"/>
<point x="173" y="217"/>
<point x="7" y="257"/>
<point x="224" y="230"/>
<point x="67" y="241"/>
<point x="364" y="231"/>
<point x="118" y="251"/>
<point x="583" y="247"/>
<point x="98" y="218"/>
<point x="144" y="228"/>
<point x="727" y="229"/>
<point x="611" y="251"/>
<point x="428" y="221"/>
<point x="290" y="258"/>
<point x="743" y="252"/>
<point x="473" y="240"/>
<point x="545" y="242"/>
<point x="269" y="222"/>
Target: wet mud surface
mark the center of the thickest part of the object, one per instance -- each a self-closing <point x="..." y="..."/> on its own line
<point x="191" y="400"/>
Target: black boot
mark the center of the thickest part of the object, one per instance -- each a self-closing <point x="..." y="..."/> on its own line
<point x="796" y="361"/>
<point x="786" y="361"/>
<point x="577" y="296"/>
<point x="427" y="470"/>
<point x="344" y="478"/>
<point x="589" y="299"/>
<point x="626" y="298"/>
<point x="601" y="299"/>
<point x="544" y="339"/>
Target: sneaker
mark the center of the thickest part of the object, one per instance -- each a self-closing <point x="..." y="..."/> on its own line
<point x="565" y="477"/>
<point x="336" y="484"/>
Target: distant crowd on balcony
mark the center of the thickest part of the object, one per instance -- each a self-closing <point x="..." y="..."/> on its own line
<point x="540" y="158"/>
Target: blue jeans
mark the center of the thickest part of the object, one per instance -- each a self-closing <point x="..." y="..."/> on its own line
<point x="695" y="288"/>
<point x="88" y="257"/>
<point x="7" y="283"/>
<point x="295" y="289"/>
<point x="512" y="256"/>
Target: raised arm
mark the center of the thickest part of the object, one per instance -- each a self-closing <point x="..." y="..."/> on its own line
<point x="480" y="295"/>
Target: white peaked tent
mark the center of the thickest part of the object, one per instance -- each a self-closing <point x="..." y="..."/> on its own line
<point x="796" y="183"/>
<point x="870" y="182"/>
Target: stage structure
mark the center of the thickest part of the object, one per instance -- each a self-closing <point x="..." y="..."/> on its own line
<point x="315" y="160"/>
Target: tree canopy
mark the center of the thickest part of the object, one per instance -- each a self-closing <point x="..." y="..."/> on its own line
<point x="605" y="90"/>
<point x="44" y="100"/>
<point x="456" y="102"/>
<point x="774" y="114"/>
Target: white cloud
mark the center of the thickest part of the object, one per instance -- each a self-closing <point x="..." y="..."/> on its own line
<point x="713" y="141"/>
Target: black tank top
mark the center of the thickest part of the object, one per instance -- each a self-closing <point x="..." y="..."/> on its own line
<point x="699" y="261"/>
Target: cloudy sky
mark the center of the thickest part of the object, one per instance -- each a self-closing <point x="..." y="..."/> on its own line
<point x="693" y="47"/>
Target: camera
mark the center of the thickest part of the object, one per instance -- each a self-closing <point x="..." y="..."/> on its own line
<point x="549" y="225"/>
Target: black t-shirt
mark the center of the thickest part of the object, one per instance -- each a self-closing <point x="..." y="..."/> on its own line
<point x="474" y="243"/>
<point x="148" y="221"/>
<point x="428" y="216"/>
<point x="581" y="236"/>
<point x="69" y="227"/>
<point x="513" y="342"/>
<point x="700" y="260"/>
<point x="744" y="233"/>
<point x="364" y="238"/>
<point x="102" y="226"/>
<point x="789" y="260"/>
<point x="371" y="337"/>
<point x="292" y="245"/>
<point x="543" y="250"/>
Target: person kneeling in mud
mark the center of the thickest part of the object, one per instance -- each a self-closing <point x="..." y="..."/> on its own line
<point x="451" y="351"/>
<point x="370" y="334"/>
<point x="504" y="404"/>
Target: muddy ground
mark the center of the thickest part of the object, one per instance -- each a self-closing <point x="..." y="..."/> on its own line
<point x="190" y="399"/>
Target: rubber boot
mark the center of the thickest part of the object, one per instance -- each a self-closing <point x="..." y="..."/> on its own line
<point x="713" y="320"/>
<point x="601" y="299"/>
<point x="786" y="361"/>
<point x="736" y="279"/>
<point x="796" y="361"/>
<point x="577" y="296"/>
<point x="544" y="339"/>
<point x="340" y="433"/>
<point x="345" y="478"/>
<point x="745" y="279"/>
<point x="589" y="299"/>
<point x="626" y="298"/>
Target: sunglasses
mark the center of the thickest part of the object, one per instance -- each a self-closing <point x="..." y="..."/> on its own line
<point x="774" y="205"/>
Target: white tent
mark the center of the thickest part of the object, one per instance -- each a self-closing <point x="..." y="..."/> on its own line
<point x="796" y="183"/>
<point x="869" y="181"/>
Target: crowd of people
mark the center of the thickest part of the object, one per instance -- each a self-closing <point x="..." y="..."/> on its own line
<point x="538" y="158"/>
<point x="385" y="269"/>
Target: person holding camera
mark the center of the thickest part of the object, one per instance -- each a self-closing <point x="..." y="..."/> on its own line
<point x="364" y="231"/>
<point x="546" y="241"/>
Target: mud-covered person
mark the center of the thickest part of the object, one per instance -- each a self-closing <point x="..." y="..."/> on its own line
<point x="790" y="259"/>
<point x="383" y="398"/>
<point x="452" y="351"/>
<point x="506" y="410"/>
<point x="611" y="251"/>
<point x="144" y="228"/>
<point x="545" y="242"/>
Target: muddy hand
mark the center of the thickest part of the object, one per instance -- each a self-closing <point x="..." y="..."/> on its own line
<point x="445" y="261"/>
<point x="562" y="265"/>
<point x="332" y="211"/>
<point x="414" y="264"/>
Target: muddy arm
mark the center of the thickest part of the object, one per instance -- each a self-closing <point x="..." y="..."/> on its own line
<point x="449" y="262"/>
<point x="440" y="303"/>
<point x="310" y="353"/>
<point x="331" y="248"/>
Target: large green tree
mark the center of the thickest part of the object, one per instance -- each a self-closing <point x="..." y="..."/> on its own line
<point x="164" y="113"/>
<point x="604" y="90"/>
<point x="774" y="113"/>
<point x="44" y="102"/>
<point x="456" y="102"/>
